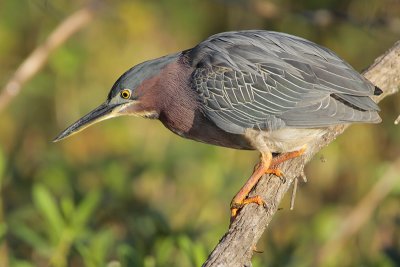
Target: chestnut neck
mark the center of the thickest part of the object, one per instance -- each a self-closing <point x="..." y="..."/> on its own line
<point x="169" y="94"/>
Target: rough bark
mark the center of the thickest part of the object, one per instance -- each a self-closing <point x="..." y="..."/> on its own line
<point x="236" y="246"/>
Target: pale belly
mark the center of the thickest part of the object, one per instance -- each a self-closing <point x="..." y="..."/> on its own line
<point x="284" y="140"/>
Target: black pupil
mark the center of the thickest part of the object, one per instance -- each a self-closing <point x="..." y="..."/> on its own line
<point x="125" y="94"/>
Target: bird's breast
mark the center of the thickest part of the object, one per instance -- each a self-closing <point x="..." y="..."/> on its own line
<point x="197" y="127"/>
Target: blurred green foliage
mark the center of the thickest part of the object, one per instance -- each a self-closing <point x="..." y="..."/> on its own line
<point x="129" y="193"/>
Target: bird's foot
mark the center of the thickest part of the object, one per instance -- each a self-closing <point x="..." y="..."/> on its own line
<point x="241" y="198"/>
<point x="277" y="172"/>
<point x="239" y="202"/>
<point x="267" y="165"/>
<point x="235" y="206"/>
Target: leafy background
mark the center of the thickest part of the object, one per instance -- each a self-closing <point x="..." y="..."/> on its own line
<point x="127" y="192"/>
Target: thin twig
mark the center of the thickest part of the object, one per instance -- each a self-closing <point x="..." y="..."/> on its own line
<point x="397" y="120"/>
<point x="37" y="59"/>
<point x="294" y="191"/>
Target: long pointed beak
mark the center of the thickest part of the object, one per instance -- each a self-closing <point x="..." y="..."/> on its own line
<point x="102" y="112"/>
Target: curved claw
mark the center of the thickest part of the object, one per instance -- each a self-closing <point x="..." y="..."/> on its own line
<point x="235" y="206"/>
<point x="277" y="172"/>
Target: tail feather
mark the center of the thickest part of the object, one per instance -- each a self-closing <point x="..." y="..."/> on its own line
<point x="377" y="91"/>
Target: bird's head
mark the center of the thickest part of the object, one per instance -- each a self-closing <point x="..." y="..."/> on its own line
<point x="130" y="95"/>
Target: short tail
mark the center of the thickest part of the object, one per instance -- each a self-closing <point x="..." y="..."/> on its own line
<point x="377" y="91"/>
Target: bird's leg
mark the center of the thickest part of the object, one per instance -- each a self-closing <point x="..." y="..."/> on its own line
<point x="241" y="198"/>
<point x="273" y="169"/>
<point x="286" y="156"/>
<point x="267" y="165"/>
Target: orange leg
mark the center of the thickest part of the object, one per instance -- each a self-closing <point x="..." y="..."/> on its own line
<point x="267" y="165"/>
<point x="286" y="156"/>
<point x="273" y="169"/>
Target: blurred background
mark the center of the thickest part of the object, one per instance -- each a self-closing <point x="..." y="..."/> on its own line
<point x="127" y="192"/>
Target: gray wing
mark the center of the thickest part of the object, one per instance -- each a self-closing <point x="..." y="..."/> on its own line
<point x="269" y="80"/>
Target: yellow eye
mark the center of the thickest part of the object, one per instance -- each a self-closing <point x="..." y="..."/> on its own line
<point x="125" y="94"/>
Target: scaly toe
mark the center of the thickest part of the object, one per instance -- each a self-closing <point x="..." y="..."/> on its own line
<point x="256" y="200"/>
<point x="236" y="206"/>
<point x="275" y="171"/>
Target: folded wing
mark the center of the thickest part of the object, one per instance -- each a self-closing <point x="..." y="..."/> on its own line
<point x="268" y="80"/>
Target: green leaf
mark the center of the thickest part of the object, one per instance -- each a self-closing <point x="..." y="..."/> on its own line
<point x="95" y="253"/>
<point x="164" y="249"/>
<point x="195" y="252"/>
<point x="30" y="236"/>
<point x="47" y="205"/>
<point x="85" y="209"/>
<point x="199" y="254"/>
<point x="67" y="207"/>
<point x="185" y="244"/>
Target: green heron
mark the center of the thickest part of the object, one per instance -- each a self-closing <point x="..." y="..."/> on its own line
<point x="255" y="90"/>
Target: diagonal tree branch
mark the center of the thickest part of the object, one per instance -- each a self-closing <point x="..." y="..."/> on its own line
<point x="38" y="58"/>
<point x="236" y="246"/>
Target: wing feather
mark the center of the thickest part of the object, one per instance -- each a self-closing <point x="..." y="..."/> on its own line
<point x="268" y="80"/>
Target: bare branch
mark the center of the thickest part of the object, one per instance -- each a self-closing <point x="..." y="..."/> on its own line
<point x="294" y="193"/>
<point x="37" y="59"/>
<point x="236" y="246"/>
